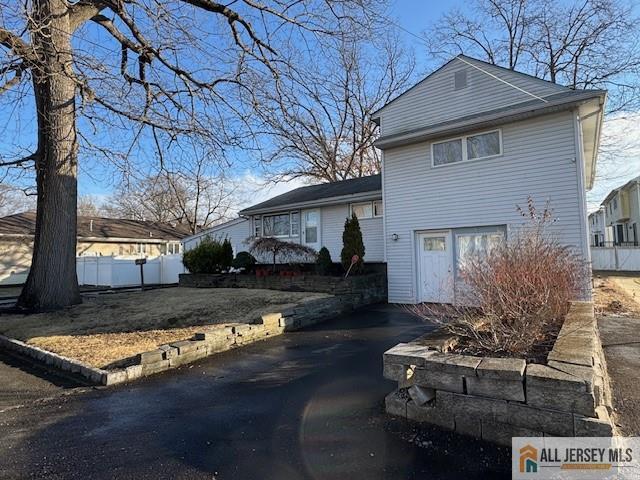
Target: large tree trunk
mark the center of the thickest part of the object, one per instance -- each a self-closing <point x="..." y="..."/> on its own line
<point x="52" y="282"/>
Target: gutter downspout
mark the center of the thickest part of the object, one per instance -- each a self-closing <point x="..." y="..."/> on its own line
<point x="582" y="202"/>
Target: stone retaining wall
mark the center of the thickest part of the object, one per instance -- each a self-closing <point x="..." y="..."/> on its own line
<point x="213" y="339"/>
<point x="362" y="289"/>
<point x="499" y="398"/>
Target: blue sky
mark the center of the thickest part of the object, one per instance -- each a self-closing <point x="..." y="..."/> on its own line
<point x="414" y="16"/>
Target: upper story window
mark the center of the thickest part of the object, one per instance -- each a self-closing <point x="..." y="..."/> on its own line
<point x="615" y="203"/>
<point x="367" y="209"/>
<point x="468" y="147"/>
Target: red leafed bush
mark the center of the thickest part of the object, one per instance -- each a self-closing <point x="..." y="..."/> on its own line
<point x="516" y="294"/>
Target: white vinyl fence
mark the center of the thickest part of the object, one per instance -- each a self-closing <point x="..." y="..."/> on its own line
<point x="615" y="258"/>
<point x="123" y="271"/>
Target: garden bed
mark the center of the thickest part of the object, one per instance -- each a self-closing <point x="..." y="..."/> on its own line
<point x="499" y="398"/>
<point x="106" y="329"/>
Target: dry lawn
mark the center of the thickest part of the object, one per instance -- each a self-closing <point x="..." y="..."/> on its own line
<point x="616" y="295"/>
<point x="110" y="327"/>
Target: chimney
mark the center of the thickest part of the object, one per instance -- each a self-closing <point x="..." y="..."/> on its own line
<point x="91" y="225"/>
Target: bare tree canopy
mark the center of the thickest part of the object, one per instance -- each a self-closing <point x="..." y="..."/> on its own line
<point x="102" y="76"/>
<point x="317" y="114"/>
<point x="580" y="44"/>
<point x="14" y="200"/>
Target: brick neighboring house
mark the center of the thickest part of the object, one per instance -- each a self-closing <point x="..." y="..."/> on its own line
<point x="97" y="236"/>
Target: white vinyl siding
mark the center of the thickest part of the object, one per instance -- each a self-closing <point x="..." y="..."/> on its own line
<point x="237" y="231"/>
<point x="333" y="219"/>
<point x="539" y="159"/>
<point x="435" y="100"/>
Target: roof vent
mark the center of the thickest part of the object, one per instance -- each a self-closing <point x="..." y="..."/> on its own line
<point x="460" y="80"/>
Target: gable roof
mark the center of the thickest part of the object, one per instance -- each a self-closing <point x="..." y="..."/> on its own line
<point x="613" y="192"/>
<point x="98" y="227"/>
<point x="553" y="87"/>
<point x="311" y="195"/>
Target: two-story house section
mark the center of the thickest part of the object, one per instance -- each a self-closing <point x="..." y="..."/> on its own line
<point x="622" y="213"/>
<point x="599" y="233"/>
<point x="461" y="150"/>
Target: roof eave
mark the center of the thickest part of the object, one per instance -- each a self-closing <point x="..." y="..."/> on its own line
<point x="362" y="196"/>
<point x="480" y="121"/>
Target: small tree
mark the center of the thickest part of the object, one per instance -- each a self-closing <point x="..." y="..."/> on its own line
<point x="282" y="250"/>
<point x="324" y="263"/>
<point x="227" y="253"/>
<point x="244" y="260"/>
<point x="207" y="257"/>
<point x="352" y="244"/>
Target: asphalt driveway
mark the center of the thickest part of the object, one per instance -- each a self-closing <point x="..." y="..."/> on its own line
<point x="305" y="405"/>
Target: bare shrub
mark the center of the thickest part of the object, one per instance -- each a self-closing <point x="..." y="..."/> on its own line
<point x="515" y="294"/>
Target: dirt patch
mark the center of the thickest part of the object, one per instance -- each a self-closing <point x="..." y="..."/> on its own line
<point x="616" y="295"/>
<point x="109" y="327"/>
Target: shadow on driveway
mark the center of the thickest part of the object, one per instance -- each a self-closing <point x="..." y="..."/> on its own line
<point x="305" y="405"/>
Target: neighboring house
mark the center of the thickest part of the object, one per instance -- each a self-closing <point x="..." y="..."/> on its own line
<point x="313" y="215"/>
<point x="599" y="233"/>
<point x="237" y="231"/>
<point x="96" y="236"/>
<point x="461" y="149"/>
<point x="622" y="213"/>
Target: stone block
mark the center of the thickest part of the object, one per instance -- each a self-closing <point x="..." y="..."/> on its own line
<point x="544" y="376"/>
<point x="502" y="433"/>
<point x="470" y="406"/>
<point x="559" y="399"/>
<point x="469" y="426"/>
<point x="495" y="388"/>
<point x="450" y="382"/>
<point x="187" y="358"/>
<point x="134" y="372"/>
<point x="184" y="346"/>
<point x="169" y="351"/>
<point x="394" y="371"/>
<point x="430" y="414"/>
<point x="539" y="419"/>
<point x="407" y="354"/>
<point x="396" y="403"/>
<point x="150" y="357"/>
<point x="462" y="365"/>
<point x="271" y="319"/>
<point x="160" y="366"/>
<point x="601" y="426"/>
<point x="582" y="373"/>
<point x="501" y="368"/>
<point x="421" y="395"/>
<point x="98" y="377"/>
<point x="115" y="377"/>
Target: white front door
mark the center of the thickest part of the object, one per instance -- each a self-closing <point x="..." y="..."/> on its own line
<point x="435" y="262"/>
<point x="311" y="228"/>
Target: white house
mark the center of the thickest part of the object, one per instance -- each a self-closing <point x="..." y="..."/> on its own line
<point x="622" y="214"/>
<point x="599" y="232"/>
<point x="464" y="147"/>
<point x="313" y="215"/>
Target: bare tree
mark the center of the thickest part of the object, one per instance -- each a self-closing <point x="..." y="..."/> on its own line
<point x="15" y="200"/>
<point x="88" y="206"/>
<point x="126" y="71"/>
<point x="317" y="113"/>
<point x="580" y="44"/>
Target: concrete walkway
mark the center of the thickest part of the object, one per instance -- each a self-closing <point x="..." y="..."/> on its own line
<point x="305" y="405"/>
<point x="621" y="341"/>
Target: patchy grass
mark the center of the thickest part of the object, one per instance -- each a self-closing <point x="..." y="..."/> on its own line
<point x="616" y="294"/>
<point x="110" y="327"/>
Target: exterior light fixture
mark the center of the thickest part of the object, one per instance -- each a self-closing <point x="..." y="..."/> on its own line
<point x="395" y="237"/>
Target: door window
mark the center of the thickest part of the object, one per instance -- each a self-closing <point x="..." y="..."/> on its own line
<point x="435" y="244"/>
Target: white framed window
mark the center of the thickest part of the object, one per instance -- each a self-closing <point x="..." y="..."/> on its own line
<point x="469" y="244"/>
<point x="362" y="210"/>
<point x="378" y="208"/>
<point x="467" y="147"/>
<point x="257" y="227"/>
<point x="295" y="224"/>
